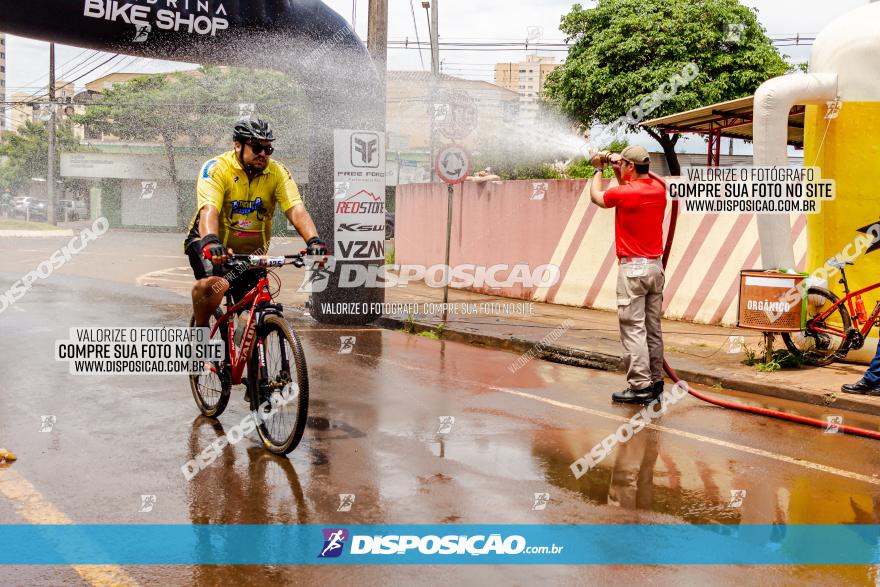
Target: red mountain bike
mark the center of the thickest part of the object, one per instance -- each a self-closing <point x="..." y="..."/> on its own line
<point x="277" y="382"/>
<point x="834" y="325"/>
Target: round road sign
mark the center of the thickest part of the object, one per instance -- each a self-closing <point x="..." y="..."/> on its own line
<point x="453" y="164"/>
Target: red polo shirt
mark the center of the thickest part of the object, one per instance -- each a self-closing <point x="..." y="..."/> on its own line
<point x="640" y="206"/>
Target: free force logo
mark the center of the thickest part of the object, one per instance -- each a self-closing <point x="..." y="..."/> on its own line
<point x="334" y="542"/>
<point x="365" y="149"/>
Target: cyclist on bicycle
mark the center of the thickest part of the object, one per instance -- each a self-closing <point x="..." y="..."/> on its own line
<point x="237" y="194"/>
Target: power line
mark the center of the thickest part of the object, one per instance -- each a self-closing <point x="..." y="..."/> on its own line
<point x="28" y="84"/>
<point x="103" y="63"/>
<point x="796" y="40"/>
<point x="416" y="25"/>
<point x="82" y="66"/>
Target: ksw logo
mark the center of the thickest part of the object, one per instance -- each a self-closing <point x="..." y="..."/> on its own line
<point x="334" y="542"/>
<point x="365" y="149"/>
<point x="360" y="228"/>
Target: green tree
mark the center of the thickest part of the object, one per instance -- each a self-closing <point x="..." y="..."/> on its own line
<point x="27" y="153"/>
<point x="624" y="50"/>
<point x="583" y="168"/>
<point x="197" y="110"/>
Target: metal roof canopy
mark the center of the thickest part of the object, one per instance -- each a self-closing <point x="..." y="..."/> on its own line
<point x="731" y="119"/>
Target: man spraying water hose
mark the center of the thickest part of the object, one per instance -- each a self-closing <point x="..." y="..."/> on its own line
<point x="639" y="199"/>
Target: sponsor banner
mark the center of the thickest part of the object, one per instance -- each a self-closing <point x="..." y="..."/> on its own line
<point x="275" y="544"/>
<point x="359" y="195"/>
<point x="210" y="18"/>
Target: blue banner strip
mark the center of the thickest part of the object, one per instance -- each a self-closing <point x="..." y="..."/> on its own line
<point x="619" y="544"/>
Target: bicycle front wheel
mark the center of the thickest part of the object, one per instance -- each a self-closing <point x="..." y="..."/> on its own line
<point x="279" y="386"/>
<point x="823" y="341"/>
<point x="211" y="387"/>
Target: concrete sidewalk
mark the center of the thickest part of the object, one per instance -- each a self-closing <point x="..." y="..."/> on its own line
<point x="699" y="353"/>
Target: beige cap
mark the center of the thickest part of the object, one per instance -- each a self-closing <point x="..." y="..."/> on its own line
<point x="636" y="154"/>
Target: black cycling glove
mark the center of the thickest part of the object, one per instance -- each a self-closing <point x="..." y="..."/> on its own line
<point x="212" y="247"/>
<point x="316" y="247"/>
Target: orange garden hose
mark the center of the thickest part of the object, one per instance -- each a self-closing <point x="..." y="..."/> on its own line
<point x="744" y="408"/>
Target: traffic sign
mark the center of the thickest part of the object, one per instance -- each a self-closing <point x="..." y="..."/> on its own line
<point x="453" y="164"/>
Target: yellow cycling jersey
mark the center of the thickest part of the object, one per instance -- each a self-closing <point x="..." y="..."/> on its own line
<point x="246" y="207"/>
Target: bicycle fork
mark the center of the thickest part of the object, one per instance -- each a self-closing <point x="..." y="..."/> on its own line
<point x="264" y="393"/>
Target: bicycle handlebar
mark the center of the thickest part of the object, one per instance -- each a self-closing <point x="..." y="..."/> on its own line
<point x="266" y="261"/>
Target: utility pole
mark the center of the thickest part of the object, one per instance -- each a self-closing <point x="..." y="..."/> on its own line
<point x="435" y="38"/>
<point x="50" y="171"/>
<point x="431" y="11"/>
<point x="377" y="36"/>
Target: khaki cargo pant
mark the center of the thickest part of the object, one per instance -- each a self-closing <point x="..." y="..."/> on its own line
<point x="639" y="306"/>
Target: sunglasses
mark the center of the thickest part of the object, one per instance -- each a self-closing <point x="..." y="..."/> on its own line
<point x="258" y="148"/>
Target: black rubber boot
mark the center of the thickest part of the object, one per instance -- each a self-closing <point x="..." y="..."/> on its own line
<point x="635" y="396"/>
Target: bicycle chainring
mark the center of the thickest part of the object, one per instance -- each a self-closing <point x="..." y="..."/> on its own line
<point x="855" y="339"/>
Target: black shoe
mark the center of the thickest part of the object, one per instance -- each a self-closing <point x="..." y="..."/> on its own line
<point x="657" y="386"/>
<point x="860" y="388"/>
<point x="635" y="396"/>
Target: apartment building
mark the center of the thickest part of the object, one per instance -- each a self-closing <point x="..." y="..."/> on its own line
<point x="527" y="79"/>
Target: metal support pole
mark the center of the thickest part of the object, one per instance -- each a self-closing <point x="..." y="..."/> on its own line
<point x="448" y="240"/>
<point x="50" y="171"/>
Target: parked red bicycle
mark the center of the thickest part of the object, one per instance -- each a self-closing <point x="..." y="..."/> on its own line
<point x="834" y="326"/>
<point x="277" y="381"/>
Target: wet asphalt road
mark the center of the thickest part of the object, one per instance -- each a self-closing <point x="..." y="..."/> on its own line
<point x="373" y="433"/>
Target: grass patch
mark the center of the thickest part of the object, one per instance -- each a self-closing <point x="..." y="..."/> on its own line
<point x="779" y="359"/>
<point x="14" y="224"/>
<point x="435" y="334"/>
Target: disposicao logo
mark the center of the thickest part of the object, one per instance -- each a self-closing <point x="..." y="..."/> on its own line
<point x="334" y="542"/>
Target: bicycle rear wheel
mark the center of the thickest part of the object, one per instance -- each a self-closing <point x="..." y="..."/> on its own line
<point x="211" y="387"/>
<point x="821" y="348"/>
<point x="279" y="386"/>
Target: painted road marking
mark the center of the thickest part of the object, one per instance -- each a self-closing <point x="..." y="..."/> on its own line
<point x="700" y="438"/>
<point x="674" y="431"/>
<point x="35" y="509"/>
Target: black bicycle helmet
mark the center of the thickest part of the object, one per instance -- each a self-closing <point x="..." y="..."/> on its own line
<point x="252" y="128"/>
